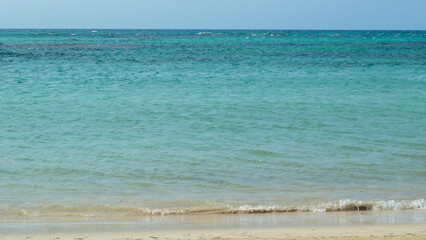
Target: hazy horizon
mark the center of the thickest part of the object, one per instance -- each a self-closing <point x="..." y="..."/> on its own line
<point x="219" y="29"/>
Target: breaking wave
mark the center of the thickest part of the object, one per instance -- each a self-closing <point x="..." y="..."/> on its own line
<point x="214" y="208"/>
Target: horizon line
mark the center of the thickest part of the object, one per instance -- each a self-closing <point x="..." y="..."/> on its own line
<point x="217" y="29"/>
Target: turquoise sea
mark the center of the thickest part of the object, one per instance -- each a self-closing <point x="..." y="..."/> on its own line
<point x="138" y="122"/>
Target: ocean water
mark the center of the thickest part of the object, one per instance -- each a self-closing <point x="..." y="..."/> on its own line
<point x="139" y="122"/>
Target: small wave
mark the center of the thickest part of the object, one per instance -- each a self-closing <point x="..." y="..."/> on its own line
<point x="342" y="205"/>
<point x="215" y="208"/>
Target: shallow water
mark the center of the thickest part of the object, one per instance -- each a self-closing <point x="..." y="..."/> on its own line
<point x="209" y="222"/>
<point x="134" y="122"/>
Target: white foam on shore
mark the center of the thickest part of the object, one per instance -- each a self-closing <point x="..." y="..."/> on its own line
<point x="342" y="205"/>
<point x="215" y="208"/>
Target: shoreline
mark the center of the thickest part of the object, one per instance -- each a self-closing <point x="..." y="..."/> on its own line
<point x="212" y="208"/>
<point x="232" y="225"/>
<point x="369" y="232"/>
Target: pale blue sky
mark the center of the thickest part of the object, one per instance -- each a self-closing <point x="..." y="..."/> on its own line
<point x="214" y="14"/>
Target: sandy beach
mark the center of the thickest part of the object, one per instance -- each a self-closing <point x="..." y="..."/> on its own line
<point x="412" y="231"/>
<point x="331" y="225"/>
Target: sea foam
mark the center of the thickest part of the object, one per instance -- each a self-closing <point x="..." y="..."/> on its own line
<point x="215" y="208"/>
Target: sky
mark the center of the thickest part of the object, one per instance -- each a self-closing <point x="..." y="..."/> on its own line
<point x="215" y="14"/>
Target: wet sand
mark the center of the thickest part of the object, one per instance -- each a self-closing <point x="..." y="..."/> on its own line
<point x="412" y="231"/>
<point x="408" y="224"/>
